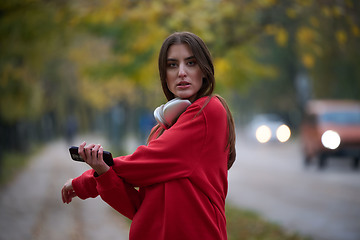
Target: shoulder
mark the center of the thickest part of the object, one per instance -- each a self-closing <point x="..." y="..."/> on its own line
<point x="210" y="111"/>
<point x="204" y="110"/>
<point x="210" y="105"/>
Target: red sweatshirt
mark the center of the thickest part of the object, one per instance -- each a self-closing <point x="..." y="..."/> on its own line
<point x="182" y="179"/>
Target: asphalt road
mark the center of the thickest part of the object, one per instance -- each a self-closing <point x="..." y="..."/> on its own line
<point x="31" y="205"/>
<point x="271" y="180"/>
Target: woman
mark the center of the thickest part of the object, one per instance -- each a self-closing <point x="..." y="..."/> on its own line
<point x="181" y="173"/>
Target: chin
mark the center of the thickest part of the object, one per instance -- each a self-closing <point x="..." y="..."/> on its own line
<point x="183" y="96"/>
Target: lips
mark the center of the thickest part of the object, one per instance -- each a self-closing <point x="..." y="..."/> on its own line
<point x="183" y="84"/>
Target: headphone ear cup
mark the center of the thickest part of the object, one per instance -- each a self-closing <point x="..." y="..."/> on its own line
<point x="173" y="109"/>
<point x="159" y="116"/>
<point x="167" y="114"/>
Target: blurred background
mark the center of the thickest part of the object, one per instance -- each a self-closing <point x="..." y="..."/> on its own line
<point x="94" y="63"/>
<point x="70" y="67"/>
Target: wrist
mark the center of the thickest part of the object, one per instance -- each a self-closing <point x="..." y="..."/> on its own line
<point x="101" y="170"/>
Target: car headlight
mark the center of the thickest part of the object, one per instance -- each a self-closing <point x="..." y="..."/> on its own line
<point x="283" y="133"/>
<point x="330" y="139"/>
<point x="263" y="134"/>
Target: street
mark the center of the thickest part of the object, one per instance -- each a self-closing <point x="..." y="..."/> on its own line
<point x="31" y="205"/>
<point x="271" y="180"/>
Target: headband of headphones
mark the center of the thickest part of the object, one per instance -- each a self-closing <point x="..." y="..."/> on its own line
<point x="167" y="114"/>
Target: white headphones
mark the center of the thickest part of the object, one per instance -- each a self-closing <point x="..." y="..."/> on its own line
<point x="167" y="114"/>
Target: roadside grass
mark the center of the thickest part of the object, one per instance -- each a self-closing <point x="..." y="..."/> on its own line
<point x="12" y="163"/>
<point x="247" y="225"/>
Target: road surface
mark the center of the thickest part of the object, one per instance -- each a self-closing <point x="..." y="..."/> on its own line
<point x="271" y="180"/>
<point x="31" y="205"/>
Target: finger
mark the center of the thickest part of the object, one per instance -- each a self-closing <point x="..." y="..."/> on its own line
<point x="65" y="195"/>
<point x="67" y="200"/>
<point x="81" y="151"/>
<point x="72" y="195"/>
<point x="68" y="197"/>
<point x="94" y="152"/>
<point x="83" y="144"/>
<point x="101" y="154"/>
<point x="88" y="150"/>
<point x="66" y="189"/>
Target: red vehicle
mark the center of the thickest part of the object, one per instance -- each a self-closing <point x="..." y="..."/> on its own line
<point x="331" y="128"/>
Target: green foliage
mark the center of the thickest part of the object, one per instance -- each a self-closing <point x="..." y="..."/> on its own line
<point x="96" y="54"/>
<point x="323" y="38"/>
<point x="13" y="163"/>
<point x="30" y="36"/>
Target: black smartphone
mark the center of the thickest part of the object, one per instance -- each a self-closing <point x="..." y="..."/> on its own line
<point x="74" y="153"/>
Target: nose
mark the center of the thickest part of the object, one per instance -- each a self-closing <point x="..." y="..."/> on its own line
<point x="182" y="72"/>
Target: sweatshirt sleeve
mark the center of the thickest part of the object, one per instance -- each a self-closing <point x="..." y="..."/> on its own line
<point x="85" y="185"/>
<point x="120" y="195"/>
<point x="175" y="154"/>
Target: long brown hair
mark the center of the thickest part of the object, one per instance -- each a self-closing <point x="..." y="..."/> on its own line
<point x="204" y="60"/>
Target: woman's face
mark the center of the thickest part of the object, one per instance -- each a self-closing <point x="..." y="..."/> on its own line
<point x="183" y="74"/>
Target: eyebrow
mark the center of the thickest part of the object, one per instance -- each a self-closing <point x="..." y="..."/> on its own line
<point x="174" y="59"/>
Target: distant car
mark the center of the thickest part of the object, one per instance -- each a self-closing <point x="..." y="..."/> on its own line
<point x="268" y="127"/>
<point x="331" y="128"/>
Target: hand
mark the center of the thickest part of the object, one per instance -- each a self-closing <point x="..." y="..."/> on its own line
<point x="93" y="155"/>
<point x="68" y="192"/>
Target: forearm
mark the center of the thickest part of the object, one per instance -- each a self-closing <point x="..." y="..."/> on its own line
<point x="118" y="194"/>
<point x="85" y="185"/>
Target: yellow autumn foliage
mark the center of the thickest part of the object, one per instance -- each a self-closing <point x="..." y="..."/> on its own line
<point x="308" y="60"/>
<point x="281" y="37"/>
<point x="341" y="37"/>
<point x="111" y="47"/>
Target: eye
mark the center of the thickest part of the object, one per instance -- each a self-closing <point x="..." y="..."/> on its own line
<point x="171" y="65"/>
<point x="191" y="62"/>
